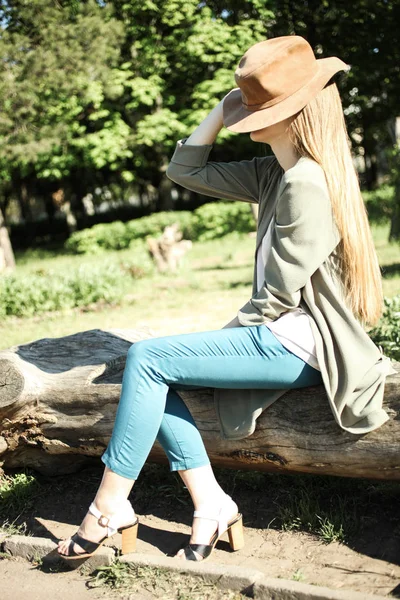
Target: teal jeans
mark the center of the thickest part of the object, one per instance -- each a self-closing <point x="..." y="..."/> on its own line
<point x="150" y="407"/>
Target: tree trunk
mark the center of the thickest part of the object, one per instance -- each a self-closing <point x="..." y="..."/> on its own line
<point x="394" y="234"/>
<point x="24" y="203"/>
<point x="394" y="160"/>
<point x="168" y="250"/>
<point x="369" y="145"/>
<point x="165" y="200"/>
<point x="7" y="260"/>
<point x="58" y="399"/>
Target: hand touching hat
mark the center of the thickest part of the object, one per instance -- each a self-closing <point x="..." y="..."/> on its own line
<point x="276" y="79"/>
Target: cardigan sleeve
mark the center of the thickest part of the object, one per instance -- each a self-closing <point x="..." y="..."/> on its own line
<point x="303" y="237"/>
<point x="236" y="180"/>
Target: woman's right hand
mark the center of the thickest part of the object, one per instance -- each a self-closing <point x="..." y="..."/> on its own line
<point x="209" y="128"/>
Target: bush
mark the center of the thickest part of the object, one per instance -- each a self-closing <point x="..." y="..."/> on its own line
<point x="216" y="219"/>
<point x="154" y="224"/>
<point x="118" y="235"/>
<point x="387" y="332"/>
<point x="379" y="203"/>
<point x="104" y="236"/>
<point x="210" y="221"/>
<point x="49" y="291"/>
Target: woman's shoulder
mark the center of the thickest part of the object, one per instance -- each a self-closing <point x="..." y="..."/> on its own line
<point x="269" y="172"/>
<point x="306" y="169"/>
<point x="268" y="163"/>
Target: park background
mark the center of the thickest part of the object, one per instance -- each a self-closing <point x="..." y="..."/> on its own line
<point x="93" y="97"/>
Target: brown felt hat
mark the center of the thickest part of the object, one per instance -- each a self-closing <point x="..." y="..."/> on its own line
<point x="276" y="79"/>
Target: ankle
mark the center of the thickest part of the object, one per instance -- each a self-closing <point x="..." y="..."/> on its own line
<point x="109" y="505"/>
<point x="217" y="498"/>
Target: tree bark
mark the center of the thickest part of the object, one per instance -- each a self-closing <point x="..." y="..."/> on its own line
<point x="58" y="399"/>
<point x="24" y="203"/>
<point x="394" y="129"/>
<point x="168" y="250"/>
<point x="7" y="260"/>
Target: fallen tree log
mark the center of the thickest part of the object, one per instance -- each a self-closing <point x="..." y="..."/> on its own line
<point x="58" y="398"/>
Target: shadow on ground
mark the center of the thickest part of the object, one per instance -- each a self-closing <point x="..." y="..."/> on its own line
<point x="364" y="515"/>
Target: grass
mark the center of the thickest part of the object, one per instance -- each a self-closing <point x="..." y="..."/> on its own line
<point x="298" y="575"/>
<point x="159" y="582"/>
<point x="331" y="509"/>
<point x="17" y="496"/>
<point x="205" y="294"/>
<point x="7" y="528"/>
<point x="17" y="493"/>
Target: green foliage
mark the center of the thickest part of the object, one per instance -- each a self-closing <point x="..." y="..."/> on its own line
<point x="115" y="576"/>
<point x="28" y="295"/>
<point x="17" y="493"/>
<point x="154" y="224"/>
<point x="379" y="203"/>
<point x="104" y="236"/>
<point x="56" y="89"/>
<point x="211" y="221"/>
<point x="216" y="219"/>
<point x="160" y="583"/>
<point x="304" y="509"/>
<point x="387" y="332"/>
<point x="96" y="94"/>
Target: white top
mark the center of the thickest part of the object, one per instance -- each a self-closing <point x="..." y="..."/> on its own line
<point x="293" y="328"/>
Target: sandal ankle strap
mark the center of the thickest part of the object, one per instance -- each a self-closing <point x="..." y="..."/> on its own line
<point x="212" y="513"/>
<point x="104" y="521"/>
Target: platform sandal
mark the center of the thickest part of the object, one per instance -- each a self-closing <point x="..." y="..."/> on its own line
<point x="129" y="535"/>
<point x="234" y="527"/>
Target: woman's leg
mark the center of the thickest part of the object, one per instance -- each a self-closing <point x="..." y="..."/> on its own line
<point x="243" y="357"/>
<point x="186" y="454"/>
<point x="179" y="436"/>
<point x="248" y="357"/>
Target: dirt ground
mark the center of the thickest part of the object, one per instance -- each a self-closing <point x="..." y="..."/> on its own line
<point x="19" y="580"/>
<point x="367" y="561"/>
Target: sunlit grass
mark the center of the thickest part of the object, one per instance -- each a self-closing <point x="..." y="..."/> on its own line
<point x="212" y="284"/>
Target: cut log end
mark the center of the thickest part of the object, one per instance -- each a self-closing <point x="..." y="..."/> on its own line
<point x="11" y="383"/>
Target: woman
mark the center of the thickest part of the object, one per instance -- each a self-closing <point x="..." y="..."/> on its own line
<point x="316" y="283"/>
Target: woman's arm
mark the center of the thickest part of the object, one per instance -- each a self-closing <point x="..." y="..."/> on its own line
<point x="208" y="129"/>
<point x="236" y="180"/>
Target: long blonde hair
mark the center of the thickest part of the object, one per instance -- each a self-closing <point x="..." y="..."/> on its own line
<point x="319" y="132"/>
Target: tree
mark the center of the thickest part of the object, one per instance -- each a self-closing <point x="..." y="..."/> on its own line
<point x="181" y="56"/>
<point x="366" y="35"/>
<point x="7" y="261"/>
<point x="59" y="79"/>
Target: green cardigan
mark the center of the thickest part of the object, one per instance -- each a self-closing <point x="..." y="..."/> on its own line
<point x="302" y="269"/>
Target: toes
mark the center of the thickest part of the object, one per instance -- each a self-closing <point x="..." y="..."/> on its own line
<point x="62" y="547"/>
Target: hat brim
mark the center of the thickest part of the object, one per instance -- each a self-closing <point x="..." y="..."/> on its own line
<point x="240" y="120"/>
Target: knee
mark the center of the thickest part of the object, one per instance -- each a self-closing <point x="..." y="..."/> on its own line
<point x="139" y="353"/>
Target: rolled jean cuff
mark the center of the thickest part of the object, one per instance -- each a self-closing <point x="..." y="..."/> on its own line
<point x="184" y="465"/>
<point x="116" y="468"/>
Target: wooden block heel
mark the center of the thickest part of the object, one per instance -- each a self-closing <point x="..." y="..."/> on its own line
<point x="129" y="537"/>
<point x="235" y="533"/>
<point x="234" y="528"/>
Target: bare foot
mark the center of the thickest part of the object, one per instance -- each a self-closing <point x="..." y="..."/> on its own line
<point x="91" y="530"/>
<point x="204" y="529"/>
